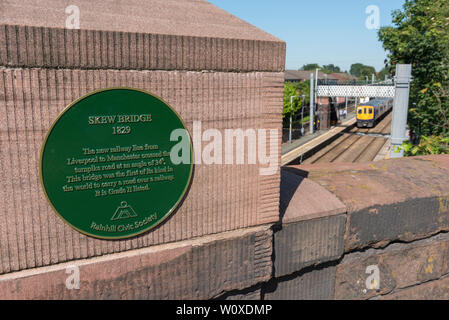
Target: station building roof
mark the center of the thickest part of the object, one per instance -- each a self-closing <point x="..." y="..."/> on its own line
<point x="303" y="75"/>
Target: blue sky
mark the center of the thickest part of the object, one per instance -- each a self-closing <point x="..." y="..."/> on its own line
<point x="319" y="31"/>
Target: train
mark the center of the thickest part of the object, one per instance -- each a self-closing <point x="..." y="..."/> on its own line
<point x="368" y="113"/>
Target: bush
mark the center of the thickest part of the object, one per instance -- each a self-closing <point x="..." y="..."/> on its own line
<point x="427" y="146"/>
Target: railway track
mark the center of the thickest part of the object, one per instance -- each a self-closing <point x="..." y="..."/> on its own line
<point x="355" y="145"/>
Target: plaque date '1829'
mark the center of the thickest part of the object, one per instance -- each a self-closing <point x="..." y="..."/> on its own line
<point x="114" y="177"/>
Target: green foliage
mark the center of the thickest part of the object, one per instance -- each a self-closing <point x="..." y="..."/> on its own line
<point x="384" y="72"/>
<point x="420" y="36"/>
<point x="290" y="90"/>
<point x="428" y="146"/>
<point x="362" y="71"/>
<point x="330" y="68"/>
<point x="295" y="89"/>
<point x="305" y="120"/>
<point x="310" y="66"/>
<point x="327" y="68"/>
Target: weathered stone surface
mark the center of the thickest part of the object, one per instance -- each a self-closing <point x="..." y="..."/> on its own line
<point x="187" y="17"/>
<point x="317" y="284"/>
<point x="251" y="294"/>
<point x="134" y="34"/>
<point x="221" y="197"/>
<point x="406" y="221"/>
<point x="198" y="269"/>
<point x="433" y="290"/>
<point x="312" y="227"/>
<point x="305" y="243"/>
<point x="303" y="199"/>
<point x="386" y="200"/>
<point x="400" y="266"/>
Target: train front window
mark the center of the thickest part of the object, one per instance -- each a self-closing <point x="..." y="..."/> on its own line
<point x="364" y="110"/>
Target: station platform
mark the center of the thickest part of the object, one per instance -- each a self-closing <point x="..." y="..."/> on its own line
<point x="342" y="143"/>
<point x="291" y="151"/>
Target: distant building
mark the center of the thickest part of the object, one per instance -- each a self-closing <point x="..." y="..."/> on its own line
<point x="301" y="75"/>
<point x="342" y="76"/>
<point x="323" y="103"/>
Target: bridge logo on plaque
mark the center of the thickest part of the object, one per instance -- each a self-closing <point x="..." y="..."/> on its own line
<point x="106" y="167"/>
<point x="124" y="211"/>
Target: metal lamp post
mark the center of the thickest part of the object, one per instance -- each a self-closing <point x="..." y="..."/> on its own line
<point x="291" y="114"/>
<point x="302" y="114"/>
<point x="315" y="95"/>
<point x="312" y="105"/>
<point x="346" y="107"/>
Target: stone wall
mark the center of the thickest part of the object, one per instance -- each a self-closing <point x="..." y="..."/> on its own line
<point x="389" y="217"/>
<point x="338" y="226"/>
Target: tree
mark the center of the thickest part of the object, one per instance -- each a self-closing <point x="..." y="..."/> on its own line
<point x="310" y="66"/>
<point x="330" y="68"/>
<point x="289" y="91"/>
<point x="303" y="88"/>
<point x="355" y="69"/>
<point x="295" y="89"/>
<point x="384" y="72"/>
<point x="362" y="71"/>
<point x="420" y="37"/>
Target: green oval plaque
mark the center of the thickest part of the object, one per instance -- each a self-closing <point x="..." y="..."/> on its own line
<point x="106" y="166"/>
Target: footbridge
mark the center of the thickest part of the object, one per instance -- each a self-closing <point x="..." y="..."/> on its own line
<point x="384" y="89"/>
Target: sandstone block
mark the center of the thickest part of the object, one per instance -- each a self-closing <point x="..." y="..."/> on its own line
<point x="399" y="266"/>
<point x="199" y="269"/>
<point x="317" y="284"/>
<point x="386" y="200"/>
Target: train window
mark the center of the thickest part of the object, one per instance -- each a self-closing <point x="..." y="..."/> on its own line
<point x="364" y="110"/>
<point x="360" y="111"/>
<point x="370" y="111"/>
